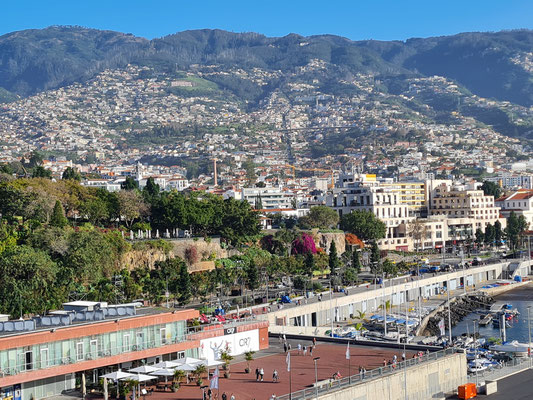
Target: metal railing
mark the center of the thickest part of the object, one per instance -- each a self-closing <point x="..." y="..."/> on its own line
<point x="515" y="365"/>
<point x="40" y="363"/>
<point x="332" y="385"/>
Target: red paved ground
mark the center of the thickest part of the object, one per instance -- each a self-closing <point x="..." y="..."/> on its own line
<point x="244" y="386"/>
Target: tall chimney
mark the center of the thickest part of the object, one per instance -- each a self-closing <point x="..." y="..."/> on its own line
<point x="215" y="170"/>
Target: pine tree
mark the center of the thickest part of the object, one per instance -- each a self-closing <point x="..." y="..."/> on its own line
<point x="184" y="284"/>
<point x="375" y="256"/>
<point x="258" y="202"/>
<point x="333" y="258"/>
<point x="309" y="263"/>
<point x="58" y="216"/>
<point x="253" y="277"/>
<point x="356" y="261"/>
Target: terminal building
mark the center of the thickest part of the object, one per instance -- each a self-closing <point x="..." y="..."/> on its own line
<point x="49" y="355"/>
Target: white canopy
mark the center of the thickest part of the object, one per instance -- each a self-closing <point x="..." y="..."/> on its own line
<point x="140" y="378"/>
<point x="188" y="360"/>
<point x="212" y="363"/>
<point x="118" y="375"/>
<point x="166" y="364"/>
<point x="163" y="372"/>
<point x="144" y="369"/>
<point x="186" y="367"/>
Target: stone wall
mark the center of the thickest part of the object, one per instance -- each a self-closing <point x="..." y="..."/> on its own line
<point x="323" y="240"/>
<point x="148" y="257"/>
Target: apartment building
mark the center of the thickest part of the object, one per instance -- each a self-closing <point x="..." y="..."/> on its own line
<point x="269" y="197"/>
<point x="466" y="211"/>
<point x="521" y="202"/>
<point x="384" y="202"/>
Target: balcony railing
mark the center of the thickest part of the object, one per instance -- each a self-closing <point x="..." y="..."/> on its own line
<point x="39" y="363"/>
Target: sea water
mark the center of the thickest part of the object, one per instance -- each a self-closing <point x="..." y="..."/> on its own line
<point x="520" y="299"/>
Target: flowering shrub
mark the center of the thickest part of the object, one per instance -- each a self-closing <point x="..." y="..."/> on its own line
<point x="354" y="240"/>
<point x="304" y="244"/>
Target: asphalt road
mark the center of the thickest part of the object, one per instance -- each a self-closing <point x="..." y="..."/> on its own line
<point x="515" y="387"/>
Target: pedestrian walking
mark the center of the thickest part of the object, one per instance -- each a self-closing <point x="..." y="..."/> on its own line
<point x="305" y="350"/>
<point x="209" y="394"/>
<point x="314" y="341"/>
<point x="280" y="338"/>
<point x="289" y="347"/>
<point x="224" y="396"/>
<point x="232" y="397"/>
<point x="403" y="356"/>
<point x="311" y="350"/>
<point x="299" y="348"/>
<point x="285" y="348"/>
<point x="275" y="376"/>
<point x="257" y="374"/>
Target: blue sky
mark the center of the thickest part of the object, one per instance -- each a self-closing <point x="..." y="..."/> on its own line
<point x="355" y="19"/>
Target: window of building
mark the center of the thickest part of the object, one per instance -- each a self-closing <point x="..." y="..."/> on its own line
<point x="126" y="345"/>
<point x="28" y="360"/>
<point x="163" y="335"/>
<point x="44" y="358"/>
<point x="93" y="346"/>
<point x="139" y="340"/>
<point x="79" y="351"/>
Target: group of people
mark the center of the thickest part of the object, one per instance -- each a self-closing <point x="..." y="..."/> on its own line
<point x="211" y="395"/>
<point x="302" y="350"/>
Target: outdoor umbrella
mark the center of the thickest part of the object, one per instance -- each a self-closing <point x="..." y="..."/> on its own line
<point x="164" y="372"/>
<point x="115" y="376"/>
<point x="186" y="367"/>
<point x="144" y="369"/>
<point x="188" y="360"/>
<point x="166" y="364"/>
<point x="139" y="378"/>
<point x="212" y="363"/>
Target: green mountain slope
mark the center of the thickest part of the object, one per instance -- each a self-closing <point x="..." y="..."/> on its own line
<point x="494" y="65"/>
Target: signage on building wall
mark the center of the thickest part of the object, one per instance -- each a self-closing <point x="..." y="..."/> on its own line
<point x="234" y="343"/>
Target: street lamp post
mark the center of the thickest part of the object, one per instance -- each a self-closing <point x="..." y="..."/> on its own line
<point x="384" y="305"/>
<point x="529" y="336"/>
<point x="316" y="376"/>
<point x="475" y="353"/>
<point x="331" y="303"/>
<point x="449" y="311"/>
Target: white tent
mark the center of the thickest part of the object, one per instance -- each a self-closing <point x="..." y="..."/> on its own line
<point x="166" y="364"/>
<point x="144" y="369"/>
<point x="140" y="378"/>
<point x="212" y="363"/>
<point x="187" y="367"/>
<point x="188" y="360"/>
<point x="115" y="376"/>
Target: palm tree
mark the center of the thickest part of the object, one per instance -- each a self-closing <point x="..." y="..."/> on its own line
<point x="248" y="356"/>
<point x="178" y="376"/>
<point x="361" y="315"/>
<point x="198" y="372"/>
<point x="226" y="357"/>
<point x="387" y="306"/>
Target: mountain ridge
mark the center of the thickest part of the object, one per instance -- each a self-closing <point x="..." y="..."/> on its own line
<point x="40" y="59"/>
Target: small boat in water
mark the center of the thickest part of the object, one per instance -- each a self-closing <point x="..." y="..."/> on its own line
<point x="485" y="319"/>
<point x="496" y="323"/>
